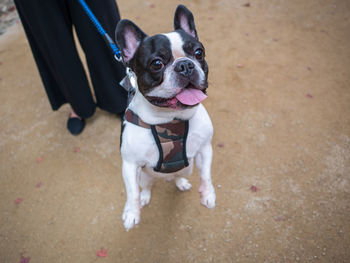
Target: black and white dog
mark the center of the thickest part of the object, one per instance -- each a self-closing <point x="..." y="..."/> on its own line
<point x="172" y="75"/>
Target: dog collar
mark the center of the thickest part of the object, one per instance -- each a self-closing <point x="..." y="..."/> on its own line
<point x="170" y="139"/>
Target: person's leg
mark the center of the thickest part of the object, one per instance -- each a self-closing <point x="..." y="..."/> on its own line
<point x="49" y="30"/>
<point x="105" y="71"/>
<point x="52" y="88"/>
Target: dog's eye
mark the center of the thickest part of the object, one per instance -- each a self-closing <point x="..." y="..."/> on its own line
<point x="199" y="54"/>
<point x="157" y="64"/>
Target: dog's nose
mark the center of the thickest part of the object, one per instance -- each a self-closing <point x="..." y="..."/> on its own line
<point x="184" y="67"/>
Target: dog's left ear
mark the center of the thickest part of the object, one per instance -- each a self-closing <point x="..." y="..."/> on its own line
<point x="184" y="20"/>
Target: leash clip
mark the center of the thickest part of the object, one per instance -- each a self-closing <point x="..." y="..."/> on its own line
<point x="120" y="59"/>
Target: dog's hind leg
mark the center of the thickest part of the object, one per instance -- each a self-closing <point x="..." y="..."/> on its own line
<point x="145" y="182"/>
<point x="180" y="179"/>
<point x="182" y="184"/>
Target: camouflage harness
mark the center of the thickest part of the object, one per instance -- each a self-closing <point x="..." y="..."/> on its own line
<point x="171" y="142"/>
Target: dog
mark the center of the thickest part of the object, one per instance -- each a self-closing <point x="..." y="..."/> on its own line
<point x="166" y="127"/>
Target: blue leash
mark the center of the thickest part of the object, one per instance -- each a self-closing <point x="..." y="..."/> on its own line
<point x="102" y="32"/>
<point x="129" y="82"/>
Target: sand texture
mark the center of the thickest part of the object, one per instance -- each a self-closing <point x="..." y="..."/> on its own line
<point x="279" y="99"/>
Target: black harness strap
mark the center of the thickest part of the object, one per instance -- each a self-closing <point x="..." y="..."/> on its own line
<point x="160" y="149"/>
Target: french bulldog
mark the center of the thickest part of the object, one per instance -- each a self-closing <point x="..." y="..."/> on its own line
<point x="172" y="79"/>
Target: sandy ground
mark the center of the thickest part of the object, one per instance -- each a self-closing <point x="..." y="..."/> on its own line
<point x="279" y="99"/>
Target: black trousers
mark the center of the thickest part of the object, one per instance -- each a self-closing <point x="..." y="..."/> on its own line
<point x="48" y="25"/>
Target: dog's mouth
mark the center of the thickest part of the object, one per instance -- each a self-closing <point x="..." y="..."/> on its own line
<point x="188" y="97"/>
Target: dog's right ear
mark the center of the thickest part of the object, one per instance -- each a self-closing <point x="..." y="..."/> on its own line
<point x="128" y="37"/>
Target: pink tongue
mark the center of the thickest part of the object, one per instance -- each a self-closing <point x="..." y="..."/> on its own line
<point x="191" y="96"/>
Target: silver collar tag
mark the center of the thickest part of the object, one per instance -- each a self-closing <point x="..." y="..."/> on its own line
<point x="129" y="83"/>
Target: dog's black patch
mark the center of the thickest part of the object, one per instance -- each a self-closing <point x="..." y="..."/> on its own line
<point x="154" y="47"/>
<point x="190" y="46"/>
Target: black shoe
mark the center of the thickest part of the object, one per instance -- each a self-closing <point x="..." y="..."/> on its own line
<point x="75" y="125"/>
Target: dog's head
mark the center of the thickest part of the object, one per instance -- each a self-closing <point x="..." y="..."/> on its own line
<point x="171" y="69"/>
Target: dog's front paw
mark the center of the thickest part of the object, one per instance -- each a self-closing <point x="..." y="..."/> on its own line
<point x="130" y="218"/>
<point x="208" y="199"/>
<point x="207" y="194"/>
